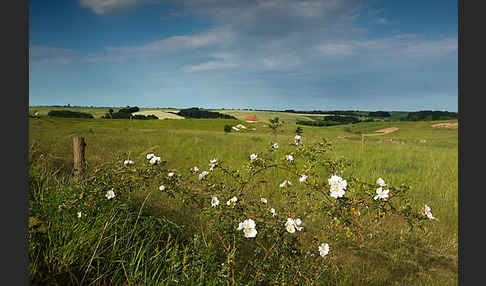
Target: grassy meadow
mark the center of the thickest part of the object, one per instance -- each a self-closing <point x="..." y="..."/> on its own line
<point x="417" y="155"/>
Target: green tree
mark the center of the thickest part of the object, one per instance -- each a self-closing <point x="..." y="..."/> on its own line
<point x="227" y="128"/>
<point x="299" y="130"/>
<point x="274" y="125"/>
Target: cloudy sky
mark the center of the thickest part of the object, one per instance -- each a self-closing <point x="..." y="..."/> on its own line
<point x="261" y="54"/>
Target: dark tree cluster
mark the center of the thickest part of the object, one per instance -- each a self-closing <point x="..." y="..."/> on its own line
<point x="126" y="113"/>
<point x="379" y="114"/>
<point x="195" y="112"/>
<point x="69" y="114"/>
<point x="330" y="121"/>
<point x="431" y="115"/>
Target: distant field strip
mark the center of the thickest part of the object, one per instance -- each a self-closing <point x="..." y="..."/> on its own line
<point x="159" y="113"/>
<point x="264" y="116"/>
<point x="382" y="131"/>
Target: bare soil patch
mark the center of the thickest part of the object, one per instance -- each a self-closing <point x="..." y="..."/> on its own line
<point x="446" y="125"/>
<point x="382" y="131"/>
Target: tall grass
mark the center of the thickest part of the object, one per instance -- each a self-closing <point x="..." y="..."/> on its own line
<point x="155" y="243"/>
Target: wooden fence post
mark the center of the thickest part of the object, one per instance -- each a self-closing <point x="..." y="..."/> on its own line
<point x="79" y="162"/>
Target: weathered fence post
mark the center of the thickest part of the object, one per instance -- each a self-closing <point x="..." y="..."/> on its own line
<point x="79" y="162"/>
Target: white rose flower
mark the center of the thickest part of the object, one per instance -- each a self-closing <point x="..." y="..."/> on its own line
<point x="291" y="225"/>
<point x="203" y="174"/>
<point x="149" y="156"/>
<point x="214" y="201"/>
<point x="154" y="160"/>
<point x="303" y="178"/>
<point x="232" y="201"/>
<point x="272" y="210"/>
<point x="337" y="186"/>
<point x="323" y="249"/>
<point x="381" y="194"/>
<point x="110" y="194"/>
<point x="285" y="183"/>
<point x="427" y="212"/>
<point x="381" y="182"/>
<point x="337" y="192"/>
<point x="162" y="187"/>
<point x="249" y="228"/>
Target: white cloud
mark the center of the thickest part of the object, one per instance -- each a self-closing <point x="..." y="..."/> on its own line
<point x="175" y="44"/>
<point x="404" y="45"/>
<point x="105" y="6"/>
<point x="211" y="65"/>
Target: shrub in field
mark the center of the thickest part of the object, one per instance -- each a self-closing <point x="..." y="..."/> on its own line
<point x="98" y="231"/>
<point x="195" y="112"/>
<point x="227" y="128"/>
<point x="299" y="130"/>
<point x="69" y="114"/>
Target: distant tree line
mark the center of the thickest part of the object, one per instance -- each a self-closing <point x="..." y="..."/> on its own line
<point x="195" y="112"/>
<point x="336" y="112"/>
<point x="330" y="121"/>
<point x="431" y="115"/>
<point x="126" y="113"/>
<point x="379" y="114"/>
<point x="69" y="114"/>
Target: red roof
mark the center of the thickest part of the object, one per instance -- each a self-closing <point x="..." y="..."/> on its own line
<point x="251" y="118"/>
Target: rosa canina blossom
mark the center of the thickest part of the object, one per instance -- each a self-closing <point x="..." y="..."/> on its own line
<point x="285" y="183"/>
<point x="323" y="249"/>
<point x="249" y="228"/>
<point x="154" y="160"/>
<point x="427" y="212"/>
<point x="291" y="225"/>
<point x="110" y="194"/>
<point x="381" y="182"/>
<point x="381" y="194"/>
<point x="232" y="201"/>
<point x="272" y="210"/>
<point x="203" y="174"/>
<point x="303" y="178"/>
<point x="337" y="186"/>
<point x="214" y="201"/>
<point x="149" y="156"/>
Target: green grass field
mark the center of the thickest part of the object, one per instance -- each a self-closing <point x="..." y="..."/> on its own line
<point x="416" y="154"/>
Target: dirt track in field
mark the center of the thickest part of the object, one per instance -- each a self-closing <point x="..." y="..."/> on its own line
<point x="382" y="131"/>
<point x="445" y="125"/>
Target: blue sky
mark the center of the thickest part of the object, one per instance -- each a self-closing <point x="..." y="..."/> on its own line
<point x="273" y="54"/>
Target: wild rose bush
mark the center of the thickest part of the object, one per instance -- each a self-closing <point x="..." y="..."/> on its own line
<point x="291" y="235"/>
<point x="258" y="236"/>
